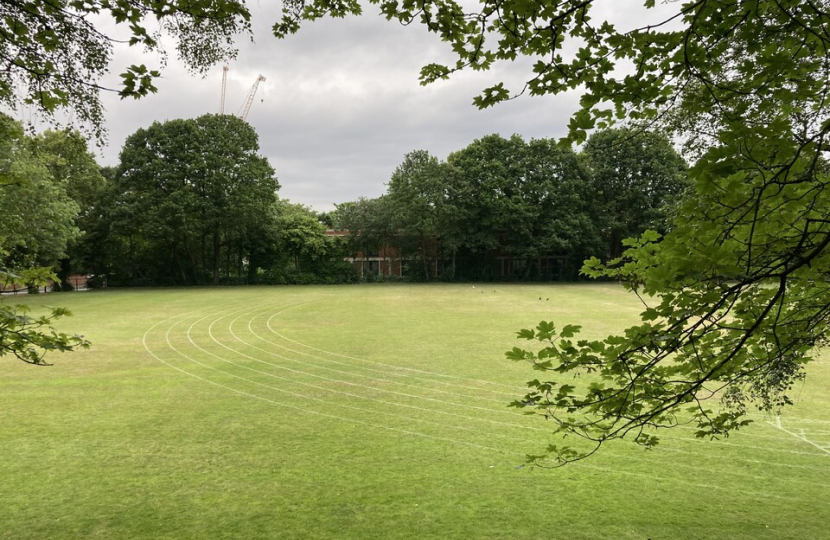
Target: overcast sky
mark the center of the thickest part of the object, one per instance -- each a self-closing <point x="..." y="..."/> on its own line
<point x="341" y="103"/>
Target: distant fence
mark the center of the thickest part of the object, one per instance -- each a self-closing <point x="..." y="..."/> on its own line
<point x="78" y="282"/>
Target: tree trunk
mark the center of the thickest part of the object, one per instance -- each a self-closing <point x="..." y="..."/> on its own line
<point x="182" y="270"/>
<point x="424" y="257"/>
<point x="130" y="258"/>
<point x="217" y="257"/>
<point x="203" y="266"/>
<point x="240" y="263"/>
<point x="63" y="274"/>
<point x="191" y="259"/>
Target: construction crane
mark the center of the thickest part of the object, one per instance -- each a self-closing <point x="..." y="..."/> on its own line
<point x="246" y="106"/>
<point x="250" y="98"/>
<point x="224" y="83"/>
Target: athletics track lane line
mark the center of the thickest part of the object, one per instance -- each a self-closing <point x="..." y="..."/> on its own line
<point x="502" y="451"/>
<point x="425" y="372"/>
<point x="363" y="422"/>
<point x="326" y="389"/>
<point x="347" y="373"/>
<point x="384" y="372"/>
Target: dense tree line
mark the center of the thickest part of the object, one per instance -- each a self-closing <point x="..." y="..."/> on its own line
<point x="192" y="202"/>
<point x="519" y="200"/>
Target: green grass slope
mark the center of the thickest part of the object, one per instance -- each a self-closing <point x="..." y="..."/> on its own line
<point x="363" y="412"/>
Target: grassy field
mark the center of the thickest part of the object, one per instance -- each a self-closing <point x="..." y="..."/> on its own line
<point x="373" y="411"/>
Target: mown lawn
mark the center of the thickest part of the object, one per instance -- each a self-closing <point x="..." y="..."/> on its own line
<point x="372" y="411"/>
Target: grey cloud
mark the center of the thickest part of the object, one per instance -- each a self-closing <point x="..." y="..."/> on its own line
<point x="342" y="105"/>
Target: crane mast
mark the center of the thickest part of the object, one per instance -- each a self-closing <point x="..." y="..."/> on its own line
<point x="250" y="98"/>
<point x="246" y="106"/>
<point x="224" y="83"/>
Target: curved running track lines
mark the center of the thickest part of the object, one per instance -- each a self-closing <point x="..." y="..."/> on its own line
<point x="614" y="471"/>
<point x="309" y="411"/>
<point x="338" y="392"/>
<point x="385" y="372"/>
<point x="224" y="313"/>
<point x="513" y="395"/>
<point x="404" y="368"/>
<point x="358" y="385"/>
<point x="282" y="336"/>
<point x="339" y="371"/>
<point x="693" y="440"/>
<point x="306" y="398"/>
<point x="686" y="440"/>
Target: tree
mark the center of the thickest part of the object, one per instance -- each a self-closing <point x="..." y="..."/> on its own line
<point x="54" y="57"/>
<point x="490" y="170"/>
<point x="201" y="191"/>
<point x="38" y="215"/>
<point x="371" y="224"/>
<point x="416" y="192"/>
<point x="301" y="233"/>
<point x="636" y="178"/>
<point x="561" y="188"/>
<point x="67" y="157"/>
<point x="739" y="295"/>
<point x="526" y="199"/>
<point x="29" y="338"/>
<point x="54" y="52"/>
<point x="37" y="222"/>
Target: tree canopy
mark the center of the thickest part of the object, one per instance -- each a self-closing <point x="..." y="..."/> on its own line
<point x="38" y="223"/>
<point x="538" y="207"/>
<point x="55" y="52"/>
<point x="204" y="197"/>
<point x="637" y="179"/>
<point x="38" y="213"/>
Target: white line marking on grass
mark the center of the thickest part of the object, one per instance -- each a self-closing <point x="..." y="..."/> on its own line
<point x="452" y="403"/>
<point x="317" y="413"/>
<point x="793" y="420"/>
<point x="732" y="473"/>
<point x="767" y="449"/>
<point x="718" y="457"/>
<point x="326" y="389"/>
<point x="407" y="432"/>
<point x="502" y="451"/>
<point x="348" y="373"/>
<point x="357" y="385"/>
<point x="763" y="494"/>
<point x="423" y="372"/>
<point x="307" y="398"/>
<point x="800" y="436"/>
<point x="384" y="372"/>
<point x="671" y="462"/>
<point x="744" y="432"/>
